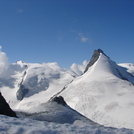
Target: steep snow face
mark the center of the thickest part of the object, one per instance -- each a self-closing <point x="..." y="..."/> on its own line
<point x="128" y="66"/>
<point x="104" y="94"/>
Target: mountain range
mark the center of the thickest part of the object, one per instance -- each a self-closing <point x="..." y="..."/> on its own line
<point x="98" y="92"/>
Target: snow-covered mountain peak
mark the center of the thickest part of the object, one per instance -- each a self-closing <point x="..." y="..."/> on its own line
<point x="20" y="62"/>
<point x="94" y="58"/>
<point x="102" y="92"/>
<point x="101" y="66"/>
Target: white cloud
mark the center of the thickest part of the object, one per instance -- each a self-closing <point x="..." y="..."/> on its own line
<point x="0" y="48"/>
<point x="19" y="10"/>
<point x="3" y="61"/>
<point x="79" y="69"/>
<point x="83" y="38"/>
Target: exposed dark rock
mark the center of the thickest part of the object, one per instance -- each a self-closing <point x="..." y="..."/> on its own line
<point x="5" y="108"/>
<point x="59" y="100"/>
<point x="21" y="92"/>
<point x="94" y="58"/>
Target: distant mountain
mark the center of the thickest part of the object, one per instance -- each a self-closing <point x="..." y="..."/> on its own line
<point x="28" y="84"/>
<point x="104" y="93"/>
<point x="128" y="66"/>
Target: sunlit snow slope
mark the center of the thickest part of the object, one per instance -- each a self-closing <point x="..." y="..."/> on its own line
<point x="104" y="93"/>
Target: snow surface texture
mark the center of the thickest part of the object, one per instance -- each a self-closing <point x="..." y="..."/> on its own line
<point x="53" y="118"/>
<point x="10" y="125"/>
<point x="51" y="111"/>
<point x="104" y="94"/>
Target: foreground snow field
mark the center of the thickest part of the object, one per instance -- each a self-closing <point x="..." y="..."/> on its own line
<point x="9" y="125"/>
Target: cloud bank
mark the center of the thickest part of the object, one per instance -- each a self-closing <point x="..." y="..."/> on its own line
<point x="79" y="69"/>
<point x="3" y="61"/>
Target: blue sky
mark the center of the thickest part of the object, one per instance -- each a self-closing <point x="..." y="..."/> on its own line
<point x="66" y="31"/>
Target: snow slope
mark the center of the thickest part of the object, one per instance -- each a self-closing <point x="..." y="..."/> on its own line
<point x="104" y="94"/>
<point x="55" y="110"/>
<point x="54" y="118"/>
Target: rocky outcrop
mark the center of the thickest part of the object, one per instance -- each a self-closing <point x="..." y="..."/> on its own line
<point x="22" y="91"/>
<point x="5" y="108"/>
<point x="94" y="58"/>
<point x="59" y="100"/>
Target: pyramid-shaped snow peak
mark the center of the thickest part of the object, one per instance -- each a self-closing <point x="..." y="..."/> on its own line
<point x="104" y="93"/>
<point x="94" y="58"/>
<point x="104" y="66"/>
